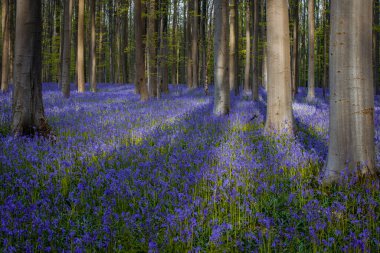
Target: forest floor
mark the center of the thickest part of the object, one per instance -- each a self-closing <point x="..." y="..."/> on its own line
<point x="168" y="176"/>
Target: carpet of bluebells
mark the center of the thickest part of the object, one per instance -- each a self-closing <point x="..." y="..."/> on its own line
<point x="168" y="176"/>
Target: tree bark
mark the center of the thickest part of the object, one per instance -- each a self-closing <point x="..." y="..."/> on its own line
<point x="351" y="131"/>
<point x="93" y="48"/>
<point x="140" y="81"/>
<point x="247" y="47"/>
<point x="234" y="44"/>
<point x="80" y="47"/>
<point x="311" y="70"/>
<point x="28" y="110"/>
<point x="295" y="60"/>
<point x="194" y="44"/>
<point x="279" y="104"/>
<point x="222" y="93"/>
<point x="6" y="43"/>
<point x="189" y="35"/>
<point x="66" y="51"/>
<point x="152" y="47"/>
<point x="255" y="60"/>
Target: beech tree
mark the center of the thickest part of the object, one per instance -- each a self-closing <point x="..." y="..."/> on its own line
<point x="279" y="103"/>
<point x="311" y="74"/>
<point x="247" y="46"/>
<point x="234" y="47"/>
<point x="80" y="47"/>
<point x="6" y="43"/>
<point x="28" y="111"/>
<point x="66" y="48"/>
<point x="222" y="91"/>
<point x="351" y="130"/>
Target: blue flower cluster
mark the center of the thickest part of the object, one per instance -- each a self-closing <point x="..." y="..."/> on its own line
<point x="168" y="176"/>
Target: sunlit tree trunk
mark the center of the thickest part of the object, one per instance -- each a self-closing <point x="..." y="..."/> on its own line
<point x="222" y="91"/>
<point x="234" y="44"/>
<point x="140" y="80"/>
<point x="351" y="131"/>
<point x="6" y="43"/>
<point x="255" y="60"/>
<point x="28" y="110"/>
<point x="247" y="47"/>
<point x="189" y="34"/>
<point x="311" y="70"/>
<point x="279" y="104"/>
<point x="80" y="47"/>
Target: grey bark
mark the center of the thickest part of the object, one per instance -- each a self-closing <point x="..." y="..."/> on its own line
<point x="194" y="45"/>
<point x="247" y="47"/>
<point x="222" y="91"/>
<point x="255" y="60"/>
<point x="351" y="130"/>
<point x="279" y="104"/>
<point x="28" y="111"/>
<point x="66" y="50"/>
<point x="311" y="69"/>
<point x="93" y="48"/>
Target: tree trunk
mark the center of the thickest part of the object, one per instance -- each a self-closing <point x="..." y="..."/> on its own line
<point x="28" y="110"/>
<point x="194" y="45"/>
<point x="66" y="51"/>
<point x="351" y="131"/>
<point x="6" y="43"/>
<point x="189" y="35"/>
<point x="325" y="47"/>
<point x="311" y="71"/>
<point x="174" y="43"/>
<point x="295" y="60"/>
<point x="279" y="104"/>
<point x="255" y="60"/>
<point x="234" y="44"/>
<point x="80" y="47"/>
<point x="93" y="48"/>
<point x="140" y="81"/>
<point x="376" y="47"/>
<point x="222" y="91"/>
<point x="152" y="47"/>
<point x="247" y="47"/>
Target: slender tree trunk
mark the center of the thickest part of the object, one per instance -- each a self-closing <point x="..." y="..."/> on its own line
<point x="295" y="60"/>
<point x="80" y="49"/>
<point x="351" y="131"/>
<point x="203" y="43"/>
<point x="140" y="81"/>
<point x="6" y="43"/>
<point x="152" y="47"/>
<point x="28" y="110"/>
<point x="93" y="48"/>
<point x="222" y="93"/>
<point x="279" y="104"/>
<point x="194" y="45"/>
<point x="189" y="34"/>
<point x="66" y="51"/>
<point x="247" y="47"/>
<point x="234" y="44"/>
<point x="311" y="70"/>
<point x="174" y="42"/>
<point x="255" y="60"/>
<point x="325" y="47"/>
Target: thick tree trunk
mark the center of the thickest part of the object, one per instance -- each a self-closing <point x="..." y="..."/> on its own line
<point x="234" y="44"/>
<point x="222" y="91"/>
<point x="255" y="60"/>
<point x="80" y="48"/>
<point x="140" y="80"/>
<point x="93" y="48"/>
<point x="66" y="51"/>
<point x="6" y="43"/>
<point x="376" y="47"/>
<point x="351" y="141"/>
<point x="279" y="104"/>
<point x="28" y="110"/>
<point x="247" y="47"/>
<point x="311" y="70"/>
